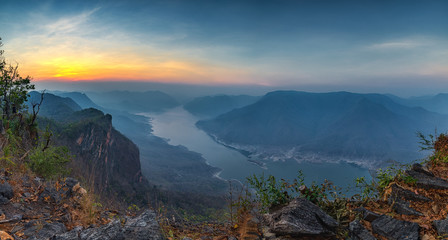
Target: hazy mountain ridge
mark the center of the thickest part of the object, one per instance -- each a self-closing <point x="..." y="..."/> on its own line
<point x="212" y="106"/>
<point x="340" y="125"/>
<point x="149" y="101"/>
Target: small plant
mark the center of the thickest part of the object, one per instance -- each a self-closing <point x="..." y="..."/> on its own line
<point x="49" y="162"/>
<point x="269" y="191"/>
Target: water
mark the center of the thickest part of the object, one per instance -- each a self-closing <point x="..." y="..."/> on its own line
<point x="178" y="126"/>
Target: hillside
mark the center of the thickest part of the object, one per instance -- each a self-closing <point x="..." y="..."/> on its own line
<point x="361" y="126"/>
<point x="80" y="98"/>
<point x="212" y="106"/>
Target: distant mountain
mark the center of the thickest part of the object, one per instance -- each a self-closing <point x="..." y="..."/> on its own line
<point x="437" y="103"/>
<point x="150" y="101"/>
<point x="212" y="106"/>
<point x="332" y="125"/>
<point x="80" y="98"/>
<point x="53" y="106"/>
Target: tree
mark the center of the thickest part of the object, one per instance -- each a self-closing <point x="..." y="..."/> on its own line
<point x="13" y="89"/>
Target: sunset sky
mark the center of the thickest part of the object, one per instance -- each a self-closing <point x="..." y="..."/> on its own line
<point x="270" y="43"/>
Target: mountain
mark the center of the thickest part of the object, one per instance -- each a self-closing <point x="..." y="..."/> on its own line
<point x="332" y="125"/>
<point x="437" y="103"/>
<point x="80" y="98"/>
<point x="53" y="106"/>
<point x="212" y="106"/>
<point x="149" y="101"/>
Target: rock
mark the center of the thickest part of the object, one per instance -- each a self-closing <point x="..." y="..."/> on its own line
<point x="359" y="232"/>
<point x="394" y="229"/>
<point x="50" y="194"/>
<point x="142" y="227"/>
<point x="111" y="231"/>
<point x="404" y="194"/>
<point x="5" y="236"/>
<point x="301" y="217"/>
<point x="402" y="207"/>
<point x="6" y="190"/>
<point x="367" y="215"/>
<point x="72" y="235"/>
<point x="71" y="182"/>
<point x="426" y="179"/>
<point x="3" y="200"/>
<point x="441" y="227"/>
<point x="422" y="169"/>
<point x="27" y="194"/>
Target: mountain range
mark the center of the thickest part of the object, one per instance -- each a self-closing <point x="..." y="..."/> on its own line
<point x="327" y="125"/>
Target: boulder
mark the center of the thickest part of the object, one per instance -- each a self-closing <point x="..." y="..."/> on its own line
<point x="441" y="227"/>
<point x="394" y="229"/>
<point x="143" y="227"/>
<point x="398" y="192"/>
<point x="110" y="231"/>
<point x="367" y="215"/>
<point x="359" y="232"/>
<point x="402" y="207"/>
<point x="426" y="179"/>
<point x="301" y="218"/>
<point x="6" y="190"/>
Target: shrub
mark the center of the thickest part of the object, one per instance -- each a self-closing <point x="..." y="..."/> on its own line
<point x="50" y="162"/>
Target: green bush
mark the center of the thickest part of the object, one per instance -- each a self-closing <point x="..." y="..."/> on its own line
<point x="50" y="162"/>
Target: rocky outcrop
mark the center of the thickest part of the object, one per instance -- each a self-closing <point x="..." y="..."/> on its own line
<point x="394" y="229"/>
<point x="301" y="218"/>
<point x="359" y="232"/>
<point x="103" y="155"/>
<point x="6" y="192"/>
<point x="51" y="209"/>
<point x="426" y="179"/>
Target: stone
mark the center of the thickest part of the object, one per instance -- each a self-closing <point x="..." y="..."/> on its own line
<point x="402" y="207"/>
<point x="441" y="227"/>
<point x="3" y="200"/>
<point x="394" y="229"/>
<point x="367" y="215"/>
<point x="72" y="235"/>
<point x="143" y="227"/>
<point x="301" y="217"/>
<point x="6" y="190"/>
<point x="426" y="179"/>
<point x="359" y="232"/>
<point x="404" y="194"/>
<point x="110" y="231"/>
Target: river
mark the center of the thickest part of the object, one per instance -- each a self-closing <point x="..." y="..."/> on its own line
<point x="178" y="127"/>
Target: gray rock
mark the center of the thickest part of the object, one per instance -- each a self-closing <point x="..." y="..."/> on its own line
<point x="359" y="232"/>
<point x="301" y="217"/>
<point x="399" y="193"/>
<point x="3" y="200"/>
<point x="426" y="179"/>
<point x="45" y="231"/>
<point x="394" y="229"/>
<point x="142" y="227"/>
<point x="442" y="227"/>
<point x="72" y="235"/>
<point x="367" y="215"/>
<point x="71" y="182"/>
<point x="402" y="207"/>
<point x="111" y="231"/>
<point x="6" y="190"/>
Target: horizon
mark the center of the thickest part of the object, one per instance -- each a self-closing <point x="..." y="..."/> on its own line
<point x="395" y="47"/>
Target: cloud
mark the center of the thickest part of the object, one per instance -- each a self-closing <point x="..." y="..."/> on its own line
<point x="396" y="45"/>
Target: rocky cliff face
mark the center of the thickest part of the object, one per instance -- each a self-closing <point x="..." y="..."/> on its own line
<point x="103" y="156"/>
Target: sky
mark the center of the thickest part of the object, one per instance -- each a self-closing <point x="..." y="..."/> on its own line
<point x="378" y="45"/>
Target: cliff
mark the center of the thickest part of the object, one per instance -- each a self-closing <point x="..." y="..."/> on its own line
<point x="103" y="156"/>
